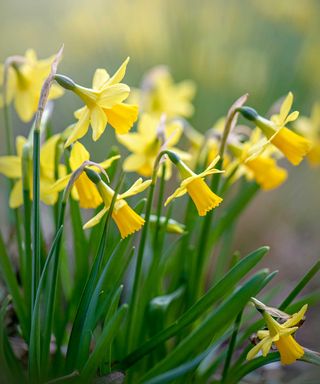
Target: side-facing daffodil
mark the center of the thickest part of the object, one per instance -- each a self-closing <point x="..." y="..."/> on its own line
<point x="295" y="147"/>
<point x="25" y="80"/>
<point x="193" y="184"/>
<point x="126" y="219"/>
<point x="11" y="167"/>
<point x="258" y="165"/>
<point x="145" y="144"/>
<point x="310" y="128"/>
<point x="103" y="104"/>
<point x="159" y="94"/>
<point x="83" y="189"/>
<point x="282" y="336"/>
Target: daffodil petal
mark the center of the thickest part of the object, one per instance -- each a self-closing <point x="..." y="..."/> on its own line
<point x="138" y="187"/>
<point x="119" y="75"/>
<point x="296" y="318"/>
<point x="96" y="219"/>
<point x="285" y="107"/>
<point x="80" y="128"/>
<point x="10" y="166"/>
<point x="25" y="104"/>
<point x="100" y="78"/>
<point x="78" y="155"/>
<point x="16" y="196"/>
<point x="177" y="193"/>
<point x="98" y="120"/>
<point x="60" y="184"/>
<point x="113" y="95"/>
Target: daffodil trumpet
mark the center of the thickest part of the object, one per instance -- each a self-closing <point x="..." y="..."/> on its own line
<point x="294" y="146"/>
<point x="279" y="333"/>
<point x="126" y="219"/>
<point x="204" y="199"/>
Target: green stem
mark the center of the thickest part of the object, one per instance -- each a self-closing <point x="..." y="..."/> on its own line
<point x="133" y="328"/>
<point x="232" y="344"/>
<point x="36" y="253"/>
<point x="199" y="263"/>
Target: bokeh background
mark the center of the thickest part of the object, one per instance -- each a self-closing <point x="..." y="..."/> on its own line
<point x="228" y="47"/>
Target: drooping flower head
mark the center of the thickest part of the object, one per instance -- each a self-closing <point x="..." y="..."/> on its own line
<point x="25" y="79"/>
<point x="292" y="145"/>
<point x="281" y="335"/>
<point x="159" y="94"/>
<point x="145" y="144"/>
<point x="193" y="184"/>
<point x="256" y="161"/>
<point x="103" y="104"/>
<point x="126" y="219"/>
<point x="83" y="189"/>
<point x="11" y="167"/>
<point x="310" y="128"/>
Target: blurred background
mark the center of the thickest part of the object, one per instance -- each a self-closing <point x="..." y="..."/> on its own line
<point x="228" y="48"/>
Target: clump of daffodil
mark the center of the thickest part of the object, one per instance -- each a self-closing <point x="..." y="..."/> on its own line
<point x="193" y="184"/>
<point x="126" y="219"/>
<point x="295" y="147"/>
<point x="310" y="128"/>
<point x="25" y="78"/>
<point x="256" y="164"/>
<point x="145" y="144"/>
<point x="159" y="94"/>
<point x="103" y="104"/>
<point x="11" y="167"/>
<point x="83" y="189"/>
<point x="279" y="334"/>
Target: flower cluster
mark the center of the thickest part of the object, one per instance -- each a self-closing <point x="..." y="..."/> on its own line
<point x="157" y="142"/>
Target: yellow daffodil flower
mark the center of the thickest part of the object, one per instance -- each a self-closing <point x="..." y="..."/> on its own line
<point x="83" y="190"/>
<point x="310" y="128"/>
<point x="145" y="144"/>
<point x="103" y="104"/>
<point x="282" y="336"/>
<point x="159" y="94"/>
<point x="292" y="145"/>
<point x="126" y="219"/>
<point x="193" y="184"/>
<point x="256" y="164"/>
<point x="11" y="167"/>
<point x="25" y="80"/>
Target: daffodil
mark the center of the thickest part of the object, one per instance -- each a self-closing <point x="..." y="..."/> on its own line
<point x="25" y="80"/>
<point x="103" y="104"/>
<point x="310" y="128"/>
<point x="83" y="189"/>
<point x="126" y="219"/>
<point x="11" y="167"/>
<point x="282" y="336"/>
<point x="256" y="163"/>
<point x="159" y="94"/>
<point x="193" y="184"/>
<point x="146" y="143"/>
<point x="295" y="147"/>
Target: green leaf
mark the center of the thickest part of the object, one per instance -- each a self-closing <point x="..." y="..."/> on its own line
<point x="13" y="288"/>
<point x="216" y="320"/>
<point x="101" y="297"/>
<point x="106" y="337"/>
<point x="299" y="287"/>
<point x="225" y="285"/>
<point x="11" y="370"/>
<point x="34" y="343"/>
